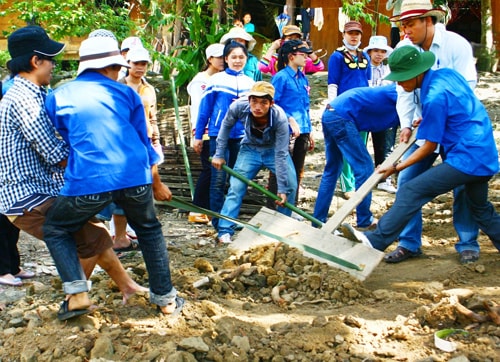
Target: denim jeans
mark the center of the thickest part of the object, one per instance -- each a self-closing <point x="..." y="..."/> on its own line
<point x="347" y="178"/>
<point x="465" y="226"/>
<point x="249" y="163"/>
<point x="69" y="214"/>
<point x="342" y="141"/>
<point x="412" y="195"/>
<point x="201" y="195"/>
<point x="218" y="178"/>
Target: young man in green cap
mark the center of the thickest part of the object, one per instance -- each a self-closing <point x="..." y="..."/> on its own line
<point x="463" y="130"/>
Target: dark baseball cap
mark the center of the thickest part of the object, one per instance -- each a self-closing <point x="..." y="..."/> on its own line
<point x="32" y="39"/>
<point x="295" y="46"/>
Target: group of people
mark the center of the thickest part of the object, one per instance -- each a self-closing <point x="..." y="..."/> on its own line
<point x="68" y="154"/>
<point x="247" y="139"/>
<point x="363" y="97"/>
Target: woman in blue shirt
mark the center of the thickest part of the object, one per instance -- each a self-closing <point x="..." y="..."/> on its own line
<point x="292" y="94"/>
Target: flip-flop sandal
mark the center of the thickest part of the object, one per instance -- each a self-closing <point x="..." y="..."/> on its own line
<point x="65" y="314"/>
<point x="134" y="246"/>
<point x="16" y="282"/>
<point x="179" y="305"/>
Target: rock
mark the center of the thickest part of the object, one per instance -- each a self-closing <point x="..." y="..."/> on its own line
<point x="29" y="353"/>
<point x="461" y="358"/>
<point x="203" y="265"/>
<point x="181" y="356"/>
<point x="103" y="348"/>
<point x="194" y="344"/>
<point x="242" y="343"/>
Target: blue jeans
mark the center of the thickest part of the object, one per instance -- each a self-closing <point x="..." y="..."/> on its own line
<point x="249" y="163"/>
<point x="218" y="178"/>
<point x="201" y="195"/>
<point x="465" y="226"/>
<point x="436" y="181"/>
<point x="342" y="141"/>
<point x="69" y="214"/>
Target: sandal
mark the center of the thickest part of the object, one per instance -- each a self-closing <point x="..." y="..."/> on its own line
<point x="401" y="254"/>
<point x="133" y="246"/>
<point x="468" y="256"/>
<point x="64" y="313"/>
<point x="9" y="279"/>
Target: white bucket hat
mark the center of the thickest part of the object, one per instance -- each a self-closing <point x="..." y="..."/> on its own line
<point x="138" y="55"/>
<point x="379" y="42"/>
<point x="239" y="33"/>
<point x="98" y="53"/>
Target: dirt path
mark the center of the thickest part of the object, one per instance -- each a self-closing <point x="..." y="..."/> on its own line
<point x="323" y="313"/>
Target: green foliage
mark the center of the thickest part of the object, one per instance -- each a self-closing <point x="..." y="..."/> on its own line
<point x="63" y="18"/>
<point x="356" y="10"/>
<point x="203" y="28"/>
<point x="4" y="58"/>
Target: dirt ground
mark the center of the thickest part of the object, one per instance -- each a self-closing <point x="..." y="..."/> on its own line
<point x="321" y="313"/>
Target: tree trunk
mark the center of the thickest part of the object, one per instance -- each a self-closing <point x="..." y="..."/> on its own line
<point x="486" y="57"/>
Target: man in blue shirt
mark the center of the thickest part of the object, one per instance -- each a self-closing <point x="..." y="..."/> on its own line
<point x="358" y="109"/>
<point x="265" y="144"/>
<point x="464" y="131"/>
<point x="111" y="159"/>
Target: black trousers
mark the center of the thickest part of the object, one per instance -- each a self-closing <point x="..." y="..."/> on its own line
<point x="9" y="255"/>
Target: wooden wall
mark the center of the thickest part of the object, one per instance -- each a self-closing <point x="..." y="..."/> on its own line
<point x="329" y="38"/>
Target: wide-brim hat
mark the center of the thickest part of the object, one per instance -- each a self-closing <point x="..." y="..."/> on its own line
<point x="262" y="89"/>
<point x="98" y="53"/>
<point x="407" y="62"/>
<point x="413" y="9"/>
<point x="378" y="42"/>
<point x="138" y="55"/>
<point x="32" y="39"/>
<point x="239" y="33"/>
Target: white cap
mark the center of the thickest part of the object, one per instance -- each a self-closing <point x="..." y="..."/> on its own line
<point x="214" y="50"/>
<point x="130" y="43"/>
<point x="98" y="53"/>
<point x="138" y="55"/>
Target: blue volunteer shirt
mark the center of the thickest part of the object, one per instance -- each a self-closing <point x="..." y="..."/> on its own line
<point x="371" y="109"/>
<point x="292" y="94"/>
<point x="104" y="124"/>
<point x="453" y="117"/>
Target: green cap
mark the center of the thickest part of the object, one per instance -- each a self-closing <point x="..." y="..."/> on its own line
<point x="407" y="62"/>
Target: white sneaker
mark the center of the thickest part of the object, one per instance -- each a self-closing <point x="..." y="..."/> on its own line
<point x="387" y="187"/>
<point x="296" y="216"/>
<point x="225" y="239"/>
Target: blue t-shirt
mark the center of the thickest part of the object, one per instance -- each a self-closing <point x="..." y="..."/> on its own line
<point x="104" y="124"/>
<point x="455" y="118"/>
<point x="371" y="109"/>
<point x="292" y="94"/>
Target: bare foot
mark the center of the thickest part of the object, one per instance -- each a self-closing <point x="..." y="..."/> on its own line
<point x="129" y="292"/>
<point x="121" y="242"/>
<point x="78" y="301"/>
<point x="173" y="307"/>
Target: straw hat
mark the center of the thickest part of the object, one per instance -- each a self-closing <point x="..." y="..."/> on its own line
<point x="262" y="89"/>
<point x="414" y="9"/>
<point x="98" y="53"/>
